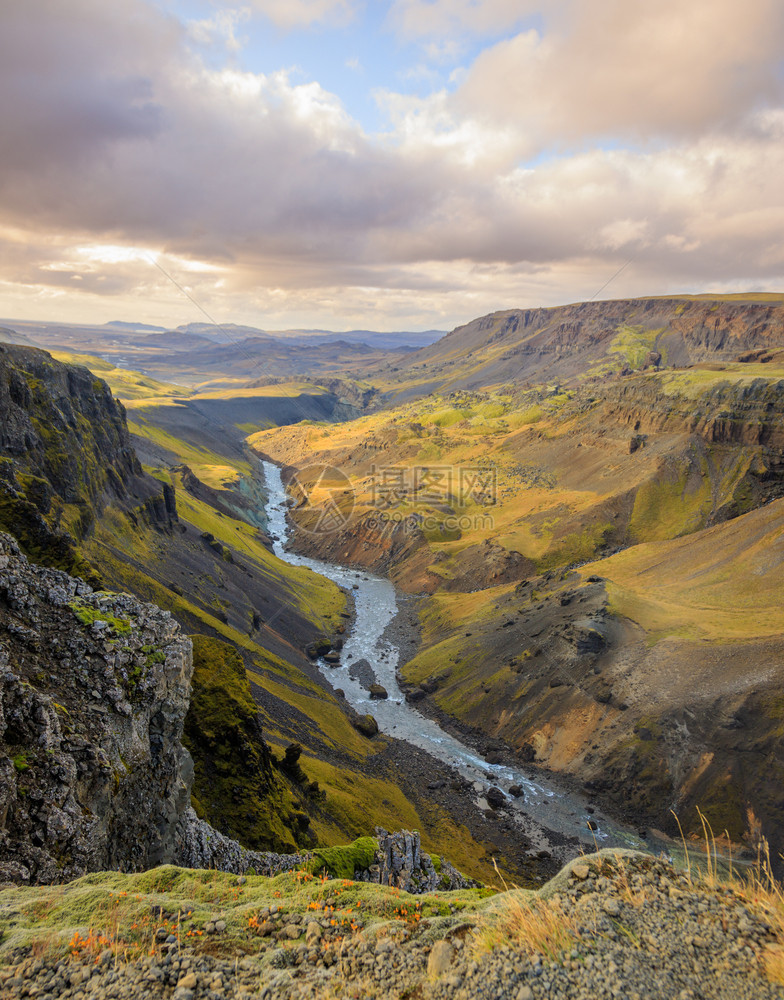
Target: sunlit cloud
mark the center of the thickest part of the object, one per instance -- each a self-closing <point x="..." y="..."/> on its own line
<point x="529" y="177"/>
<point x="304" y="13"/>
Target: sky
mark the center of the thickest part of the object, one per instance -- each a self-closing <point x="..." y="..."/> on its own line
<point x="388" y="165"/>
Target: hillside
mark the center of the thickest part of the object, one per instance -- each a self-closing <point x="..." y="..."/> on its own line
<point x="593" y="566"/>
<point x="589" y="340"/>
<point x="609" y="924"/>
<point x="227" y="355"/>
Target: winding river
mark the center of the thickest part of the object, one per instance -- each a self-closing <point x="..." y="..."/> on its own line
<point x="543" y="809"/>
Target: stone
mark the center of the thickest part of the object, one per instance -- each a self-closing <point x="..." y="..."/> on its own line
<point x="581" y="872"/>
<point x="366" y="725"/>
<point x="440" y="959"/>
<point x="496" y="798"/>
<point x="378" y="692"/>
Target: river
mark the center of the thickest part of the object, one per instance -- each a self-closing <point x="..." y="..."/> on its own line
<point x="543" y="808"/>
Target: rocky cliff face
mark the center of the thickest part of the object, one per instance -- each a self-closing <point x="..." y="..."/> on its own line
<point x="566" y="342"/>
<point x="94" y="688"/>
<point x="65" y="452"/>
<point x="732" y="411"/>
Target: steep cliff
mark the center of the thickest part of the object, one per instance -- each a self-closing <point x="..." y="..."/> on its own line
<point x="65" y="452"/>
<point x="94" y="688"/>
<point x="566" y="343"/>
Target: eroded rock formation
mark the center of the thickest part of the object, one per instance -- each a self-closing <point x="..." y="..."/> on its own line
<point x="94" y="688"/>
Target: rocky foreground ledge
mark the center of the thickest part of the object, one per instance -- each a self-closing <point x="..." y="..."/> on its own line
<point x="615" y="925"/>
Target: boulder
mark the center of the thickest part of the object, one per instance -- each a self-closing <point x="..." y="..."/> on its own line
<point x="366" y="725"/>
<point x="496" y="798"/>
<point x="526" y="753"/>
<point x="378" y="692"/>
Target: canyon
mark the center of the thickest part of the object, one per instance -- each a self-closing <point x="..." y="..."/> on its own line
<point x="632" y="526"/>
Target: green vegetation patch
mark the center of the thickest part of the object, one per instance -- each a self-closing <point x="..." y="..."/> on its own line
<point x="236" y="786"/>
<point x="124" y="913"/>
<point x="343" y="862"/>
<point x="88" y="614"/>
<point x="634" y="343"/>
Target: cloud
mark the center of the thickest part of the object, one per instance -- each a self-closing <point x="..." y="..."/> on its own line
<point x="271" y="205"/>
<point x="609" y="68"/>
<point x="220" y="29"/>
<point x="306" y="13"/>
<point x="414" y="19"/>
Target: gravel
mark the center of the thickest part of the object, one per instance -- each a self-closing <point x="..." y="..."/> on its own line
<point x="643" y="933"/>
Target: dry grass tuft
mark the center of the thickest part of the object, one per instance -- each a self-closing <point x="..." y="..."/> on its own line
<point x="539" y="926"/>
<point x="757" y="888"/>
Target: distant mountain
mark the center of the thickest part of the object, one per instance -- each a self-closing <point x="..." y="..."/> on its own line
<point x="8" y="336"/>
<point x="373" y="338"/>
<point x="177" y="340"/>
<point x="389" y="341"/>
<point x="222" y="333"/>
<point x="118" y="324"/>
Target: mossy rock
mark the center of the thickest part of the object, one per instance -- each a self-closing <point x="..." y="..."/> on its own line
<point x="366" y="724"/>
<point x="344" y="862"/>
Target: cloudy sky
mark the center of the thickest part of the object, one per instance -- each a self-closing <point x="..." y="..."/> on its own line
<point x="391" y="164"/>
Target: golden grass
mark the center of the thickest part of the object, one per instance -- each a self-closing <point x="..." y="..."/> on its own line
<point x="756" y="887"/>
<point x="125" y="383"/>
<point x="528" y="923"/>
<point x="719" y="584"/>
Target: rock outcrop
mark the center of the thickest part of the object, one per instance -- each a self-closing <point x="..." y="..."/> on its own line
<point x="94" y="688"/>
<point x="65" y="452"/>
<point x="401" y="863"/>
<point x="545" y="344"/>
<point x="201" y="846"/>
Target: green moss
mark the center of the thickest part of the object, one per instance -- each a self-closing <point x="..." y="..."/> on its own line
<point x="633" y="343"/>
<point x="88" y="615"/>
<point x="677" y="502"/>
<point x="723" y="808"/>
<point x="21" y="762"/>
<point x="127" y="908"/>
<point x="578" y="547"/>
<point x="343" y="862"/>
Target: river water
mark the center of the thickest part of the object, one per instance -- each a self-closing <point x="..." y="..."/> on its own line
<point x="543" y="809"/>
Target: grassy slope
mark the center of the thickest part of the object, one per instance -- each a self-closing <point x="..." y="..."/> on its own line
<point x="124" y="383"/>
<point x="125" y="908"/>
<point x="705" y="603"/>
<point x="721" y="584"/>
<point x="567" y="485"/>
